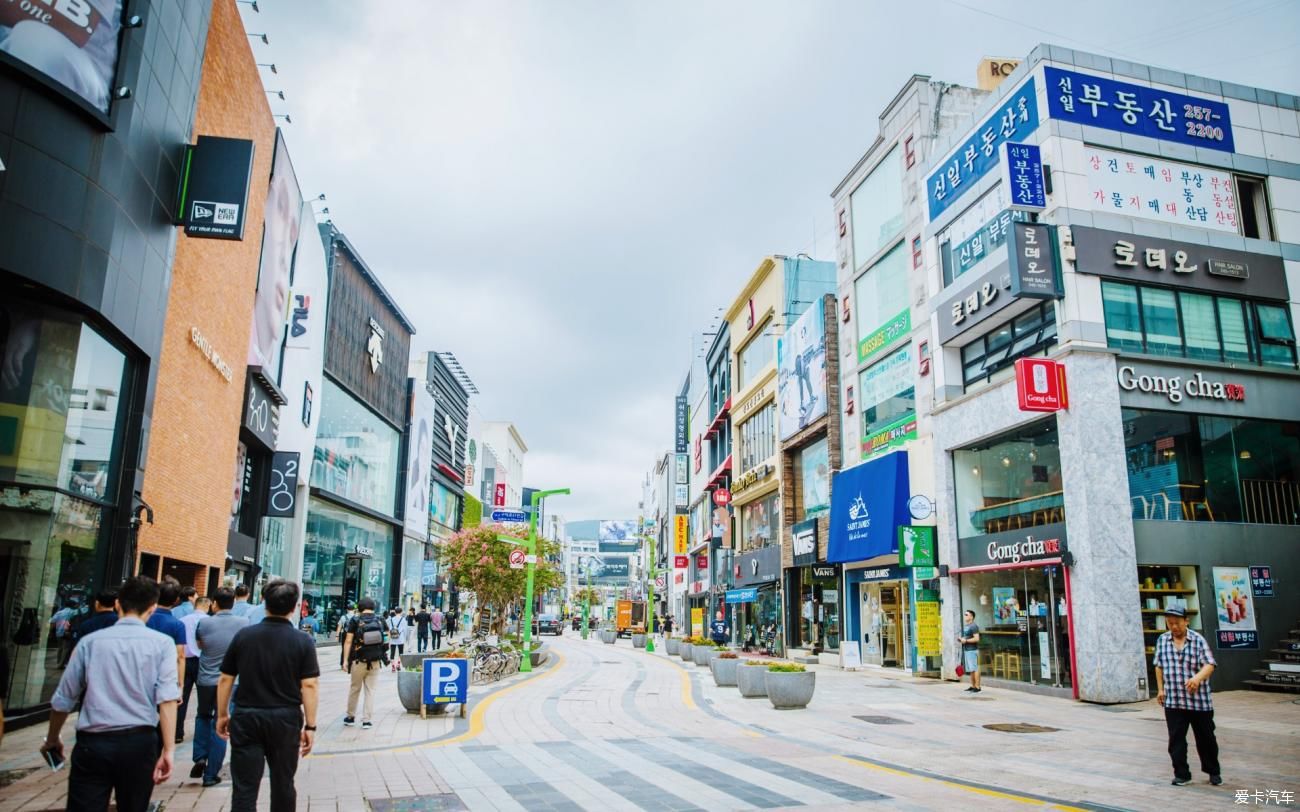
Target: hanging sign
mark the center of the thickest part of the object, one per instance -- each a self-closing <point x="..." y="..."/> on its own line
<point x="282" y="491"/>
<point x="1022" y="172"/>
<point x="915" y="545"/>
<point x="1040" y="385"/>
<point x="214" y="187"/>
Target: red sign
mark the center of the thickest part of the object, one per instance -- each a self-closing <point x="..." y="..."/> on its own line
<point x="701" y="562"/>
<point x="517" y="558"/>
<point x="722" y="497"/>
<point x="699" y="453"/>
<point x="499" y="495"/>
<point x="1040" y="385"/>
<point x="681" y="562"/>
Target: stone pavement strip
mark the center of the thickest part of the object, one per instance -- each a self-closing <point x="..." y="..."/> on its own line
<point x="610" y="728"/>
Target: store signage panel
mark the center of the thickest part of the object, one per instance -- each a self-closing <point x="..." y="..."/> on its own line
<point x="1022" y="172"/>
<point x="1040" y="385"/>
<point x="1235" y="604"/>
<point x="980" y="299"/>
<point x="261" y="413"/>
<point x="1031" y="262"/>
<point x="742" y="595"/>
<point x="993" y="234"/>
<point x="214" y="187"/>
<point x="1193" y="266"/>
<point x="282" y="490"/>
<point x="1165" y="191"/>
<point x="681" y="562"/>
<point x="828" y="571"/>
<point x="1014" y="548"/>
<point x="681" y="421"/>
<point x="1164" y="388"/>
<point x="916" y="546"/>
<point x="752" y="477"/>
<point x="804" y="540"/>
<point x="681" y="534"/>
<point x="1128" y="108"/>
<point x="1261" y="580"/>
<point x="868" y="503"/>
<point x="759" y="566"/>
<point x="1015" y="118"/>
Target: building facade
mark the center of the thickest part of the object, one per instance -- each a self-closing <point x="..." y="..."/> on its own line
<point x="1169" y="223"/>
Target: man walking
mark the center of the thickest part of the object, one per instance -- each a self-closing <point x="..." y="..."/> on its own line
<point x="274" y="722"/>
<point x="364" y="654"/>
<point x="189" y="599"/>
<point x="190" y="622"/>
<point x="437" y="621"/>
<point x="169" y="594"/>
<point x="970" y="650"/>
<point x="124" y="676"/>
<point x="242" y="606"/>
<point x="422" y="621"/>
<point x="214" y="636"/>
<point x="105" y="615"/>
<point x="1183" y="667"/>
<point x="719" y="629"/>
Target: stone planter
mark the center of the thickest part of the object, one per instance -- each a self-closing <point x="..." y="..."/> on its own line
<point x="410" y="685"/>
<point x="539" y="654"/>
<point x="609" y="637"/>
<point x="638" y="641"/>
<point x="752" y="680"/>
<point x="684" y="651"/>
<point x="672" y="646"/>
<point x="789" y="690"/>
<point x="724" y="671"/>
<point x="702" y="654"/>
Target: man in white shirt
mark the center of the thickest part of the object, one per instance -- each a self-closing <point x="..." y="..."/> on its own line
<point x="190" y="622"/>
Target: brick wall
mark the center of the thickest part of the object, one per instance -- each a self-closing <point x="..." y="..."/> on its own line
<point x="191" y="462"/>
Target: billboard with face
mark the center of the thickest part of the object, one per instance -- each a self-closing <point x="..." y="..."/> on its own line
<point x="279" y="239"/>
<point x="801" y="371"/>
<point x="71" y="44"/>
<point x="419" y="459"/>
<point x="619" y="536"/>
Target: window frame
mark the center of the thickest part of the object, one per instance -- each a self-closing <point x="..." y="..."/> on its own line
<point x="1042" y="342"/>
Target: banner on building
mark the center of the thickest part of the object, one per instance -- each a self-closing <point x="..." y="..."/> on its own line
<point x="801" y="371"/>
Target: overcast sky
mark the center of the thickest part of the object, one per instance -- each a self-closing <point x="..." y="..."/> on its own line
<point x="560" y="192"/>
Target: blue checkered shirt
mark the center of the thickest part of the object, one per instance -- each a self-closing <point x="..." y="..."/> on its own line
<point x="1180" y="666"/>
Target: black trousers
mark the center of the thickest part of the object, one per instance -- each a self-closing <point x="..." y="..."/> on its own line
<point x="422" y="639"/>
<point x="191" y="674"/>
<point x="437" y="638"/>
<point x="1207" y="746"/>
<point x="262" y="737"/>
<point x="120" y="762"/>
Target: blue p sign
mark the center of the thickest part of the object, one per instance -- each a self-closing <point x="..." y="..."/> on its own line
<point x="445" y="681"/>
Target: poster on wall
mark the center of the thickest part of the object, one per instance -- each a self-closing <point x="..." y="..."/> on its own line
<point x="1235" y="605"/>
<point x="1154" y="189"/>
<point x="73" y="45"/>
<point x="419" y="456"/>
<point x="279" y="239"/>
<point x="801" y="371"/>
<point x="887" y="395"/>
<point x="815" y="467"/>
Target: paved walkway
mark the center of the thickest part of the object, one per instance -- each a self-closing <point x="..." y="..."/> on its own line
<point x="606" y="727"/>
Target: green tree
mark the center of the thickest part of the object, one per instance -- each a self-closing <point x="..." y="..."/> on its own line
<point x="584" y="593"/>
<point x="471" y="512"/>
<point x="480" y="563"/>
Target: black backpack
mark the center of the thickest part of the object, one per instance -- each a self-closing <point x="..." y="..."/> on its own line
<point x="369" y="641"/>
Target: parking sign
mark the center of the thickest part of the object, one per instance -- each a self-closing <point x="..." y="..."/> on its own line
<point x="445" y="681"/>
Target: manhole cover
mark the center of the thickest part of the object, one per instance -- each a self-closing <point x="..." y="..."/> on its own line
<point x="1020" y="727"/>
<point x="883" y="720"/>
<point x="610" y="662"/>
<point x="8" y="777"/>
<point x="447" y="802"/>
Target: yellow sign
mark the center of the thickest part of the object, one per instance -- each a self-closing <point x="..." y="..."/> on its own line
<point x="929" y="641"/>
<point x="681" y="533"/>
<point x="697" y="621"/>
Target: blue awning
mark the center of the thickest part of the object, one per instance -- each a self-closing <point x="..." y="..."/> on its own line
<point x="868" y="503"/>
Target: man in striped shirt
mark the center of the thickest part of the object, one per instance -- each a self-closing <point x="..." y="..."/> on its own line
<point x="1184" y="664"/>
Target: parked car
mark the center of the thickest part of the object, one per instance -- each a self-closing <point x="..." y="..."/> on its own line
<point x="548" y="624"/>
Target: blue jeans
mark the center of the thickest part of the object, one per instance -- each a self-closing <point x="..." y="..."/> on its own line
<point x="208" y="746"/>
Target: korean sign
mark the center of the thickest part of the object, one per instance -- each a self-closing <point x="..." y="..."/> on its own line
<point x="1167" y="191"/>
<point x="1013" y="121"/>
<point x="1138" y="110"/>
<point x="967" y="254"/>
<point x="1236" y="608"/>
<point x="985" y="295"/>
<point x="1032" y="261"/>
<point x="1023" y="173"/>
<point x="915" y="545"/>
<point x="887" y="391"/>
<point x="1261" y="580"/>
<point x="680" y="417"/>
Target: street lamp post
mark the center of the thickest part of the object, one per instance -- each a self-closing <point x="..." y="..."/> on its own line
<point x="650" y="592"/>
<point x="586" y="601"/>
<point x="526" y="662"/>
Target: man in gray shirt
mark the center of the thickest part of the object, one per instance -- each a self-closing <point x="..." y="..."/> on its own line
<point x="124" y="676"/>
<point x="214" y="635"/>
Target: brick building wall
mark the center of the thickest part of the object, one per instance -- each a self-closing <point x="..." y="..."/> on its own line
<point x="190" y="480"/>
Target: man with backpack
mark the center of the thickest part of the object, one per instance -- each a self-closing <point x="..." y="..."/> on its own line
<point x="365" y="653"/>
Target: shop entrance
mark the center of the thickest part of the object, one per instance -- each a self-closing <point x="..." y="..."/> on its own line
<point x="886" y="621"/>
<point x="1023" y="615"/>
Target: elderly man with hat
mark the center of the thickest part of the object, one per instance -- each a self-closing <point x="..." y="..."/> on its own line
<point x="1184" y="663"/>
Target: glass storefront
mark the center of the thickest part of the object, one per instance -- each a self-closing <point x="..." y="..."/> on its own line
<point x="1208" y="468"/>
<point x="1023" y="617"/>
<point x="759" y="522"/>
<point x="356" y="452"/>
<point x="886" y="623"/>
<point x="346" y="557"/>
<point x="1010" y="482"/>
<point x="61" y="424"/>
<point x="758" y="624"/>
<point x="815" y="615"/>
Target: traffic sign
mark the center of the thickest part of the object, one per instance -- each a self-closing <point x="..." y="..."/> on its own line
<point x="445" y="681"/>
<point x="517" y="557"/>
<point x="509" y="516"/>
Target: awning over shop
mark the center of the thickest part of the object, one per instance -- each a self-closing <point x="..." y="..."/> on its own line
<point x="868" y="503"/>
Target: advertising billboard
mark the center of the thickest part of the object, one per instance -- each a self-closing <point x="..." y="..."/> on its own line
<point x="419" y="458"/>
<point x="619" y="536"/>
<point x="801" y="371"/>
<point x="283" y="217"/>
<point x="71" y="45"/>
<point x="605" y="568"/>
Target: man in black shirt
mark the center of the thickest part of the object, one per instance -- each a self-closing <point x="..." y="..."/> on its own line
<point x="274" y="721"/>
<point x="422" y="628"/>
<point x="105" y="616"/>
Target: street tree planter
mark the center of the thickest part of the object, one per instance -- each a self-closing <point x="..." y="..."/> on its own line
<point x="684" y="651"/>
<point x="672" y="646"/>
<point x="724" y="670"/>
<point x="790" y="689"/>
<point x="410" y="684"/>
<point x="752" y="680"/>
<point x="638" y="641"/>
<point x="539" y="654"/>
<point x="609" y="637"/>
<point x="703" y="654"/>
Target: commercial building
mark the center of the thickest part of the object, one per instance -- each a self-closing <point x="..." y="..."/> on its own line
<point x="1158" y="270"/>
<point x="506" y="451"/>
<point x="354" y="522"/>
<point x="87" y="204"/>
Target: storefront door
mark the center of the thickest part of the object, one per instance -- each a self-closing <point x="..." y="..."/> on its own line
<point x="1023" y="617"/>
<point x="885" y="621"/>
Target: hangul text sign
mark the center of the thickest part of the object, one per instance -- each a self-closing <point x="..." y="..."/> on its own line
<point x="993" y="234"/>
<point x="1015" y="118"/>
<point x="1023" y="174"/>
<point x="1032" y="261"/>
<point x="1155" y="189"/>
<point x="1138" y="110"/>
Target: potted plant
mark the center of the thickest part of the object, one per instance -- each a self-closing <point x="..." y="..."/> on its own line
<point x="684" y="650"/>
<point x="724" y="668"/>
<point x="751" y="678"/>
<point x="703" y="651"/>
<point x="671" y="646"/>
<point x="638" y="641"/>
<point x="790" y="685"/>
<point x="609" y="636"/>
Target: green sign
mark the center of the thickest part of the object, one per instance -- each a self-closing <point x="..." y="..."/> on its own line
<point x="925" y="574"/>
<point x="915" y="546"/>
<point x="895" y="328"/>
<point x="891" y="436"/>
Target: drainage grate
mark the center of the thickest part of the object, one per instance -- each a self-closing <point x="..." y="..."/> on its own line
<point x="447" y="802"/>
<point x="883" y="720"/>
<point x="1020" y="727"/>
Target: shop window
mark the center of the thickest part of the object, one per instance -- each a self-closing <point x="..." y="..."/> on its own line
<point x="1010" y="482"/>
<point x="888" y="402"/>
<point x="1160" y="321"/>
<point x="346" y="557"/>
<point x="1023" y="617"/>
<point x="756" y="355"/>
<point x="1205" y="468"/>
<point x="759" y="522"/>
<point x="1252" y="202"/>
<point x="814" y="480"/>
<point x="1160" y="588"/>
<point x="1031" y="333"/>
<point x="876" y="209"/>
<point x="356" y="452"/>
<point x="881" y="293"/>
<point x="758" y="438"/>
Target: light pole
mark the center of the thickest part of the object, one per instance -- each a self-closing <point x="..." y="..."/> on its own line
<point x="650" y="592"/>
<point x="526" y="662"/>
<point x="586" y="599"/>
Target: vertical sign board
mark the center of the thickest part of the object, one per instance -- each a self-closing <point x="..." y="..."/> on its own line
<point x="445" y="681"/>
<point x="681" y="534"/>
<point x="1261" y="580"/>
<point x="1238" y="625"/>
<point x="915" y="545"/>
<point x="282" y="491"/>
<point x="804" y="542"/>
<point x="499" y="495"/>
<point x="929" y="640"/>
<point x="682" y="444"/>
<point x="1022" y="172"/>
<point x="1040" y="385"/>
<point x="1031" y="262"/>
<point x="214" y="187"/>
